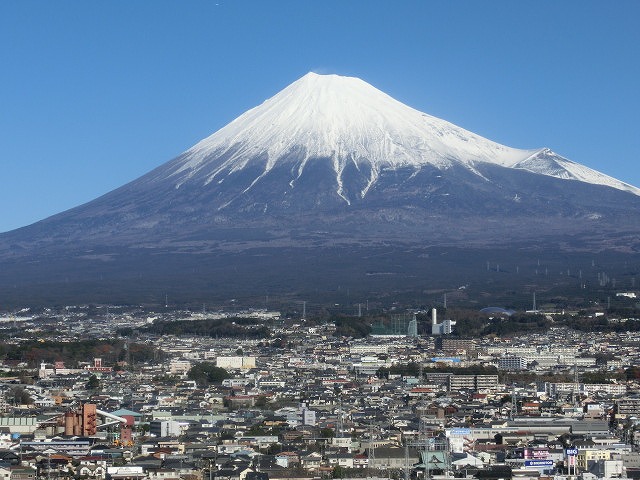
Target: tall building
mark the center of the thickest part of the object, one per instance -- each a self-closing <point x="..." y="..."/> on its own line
<point x="455" y="344"/>
<point x="473" y="382"/>
<point x="412" y="331"/>
<point x="512" y="362"/>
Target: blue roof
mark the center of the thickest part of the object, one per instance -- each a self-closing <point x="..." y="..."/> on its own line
<point x="124" y="411"/>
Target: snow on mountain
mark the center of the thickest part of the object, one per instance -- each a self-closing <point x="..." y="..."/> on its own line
<point x="348" y="121"/>
<point x="546" y="162"/>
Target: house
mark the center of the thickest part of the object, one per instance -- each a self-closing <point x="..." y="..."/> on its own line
<point x="360" y="461"/>
<point x="89" y="470"/>
<point x="232" y="473"/>
<point x="311" y="461"/>
<point x="392" y="458"/>
<point x="126" y="473"/>
<point x="287" y="459"/>
<point x="22" y="473"/>
<point x="163" y="474"/>
<point x="344" y="460"/>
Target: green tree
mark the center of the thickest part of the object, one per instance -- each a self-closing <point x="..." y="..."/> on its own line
<point x="327" y="433"/>
<point x="17" y="395"/>
<point x="205" y="373"/>
<point x="93" y="383"/>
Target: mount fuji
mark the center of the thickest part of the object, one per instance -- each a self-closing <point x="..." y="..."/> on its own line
<point x="327" y="164"/>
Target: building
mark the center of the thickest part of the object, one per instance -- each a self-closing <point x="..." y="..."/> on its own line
<point x="165" y="428"/>
<point x="455" y="344"/>
<point x="473" y="382"/>
<point x="444" y="328"/>
<point x="586" y="457"/>
<point x="368" y="348"/>
<point x="236" y="362"/>
<point x="628" y="407"/>
<point x="179" y="367"/>
<point x="512" y="362"/>
<point x="98" y="366"/>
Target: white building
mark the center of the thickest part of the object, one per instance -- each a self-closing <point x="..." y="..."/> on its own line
<point x="179" y="367"/>
<point x="236" y="362"/>
<point x="444" y="328"/>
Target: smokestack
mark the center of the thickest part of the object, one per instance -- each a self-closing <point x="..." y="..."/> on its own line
<point x="434" y="317"/>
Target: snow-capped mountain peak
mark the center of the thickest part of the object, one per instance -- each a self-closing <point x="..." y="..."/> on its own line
<point x="347" y="122"/>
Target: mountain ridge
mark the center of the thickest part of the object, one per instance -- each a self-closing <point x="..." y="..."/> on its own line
<point x="255" y="192"/>
<point x="349" y="121"/>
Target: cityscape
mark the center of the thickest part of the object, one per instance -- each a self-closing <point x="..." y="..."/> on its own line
<point x="122" y="392"/>
<point x="313" y="240"/>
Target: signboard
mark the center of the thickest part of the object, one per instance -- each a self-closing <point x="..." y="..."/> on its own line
<point x="538" y="463"/>
<point x="571" y="452"/>
<point x="460" y="431"/>
<point x="536" y="453"/>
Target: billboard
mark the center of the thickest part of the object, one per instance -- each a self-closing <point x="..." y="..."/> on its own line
<point x="538" y="463"/>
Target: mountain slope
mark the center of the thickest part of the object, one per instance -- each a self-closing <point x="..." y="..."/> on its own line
<point x="356" y="127"/>
<point x="331" y="162"/>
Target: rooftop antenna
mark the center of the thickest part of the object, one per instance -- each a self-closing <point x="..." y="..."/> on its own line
<point x="339" y="424"/>
<point x="576" y="385"/>
<point x="371" y="451"/>
<point x="359" y="310"/>
<point x="127" y="357"/>
<point x="407" y="468"/>
<point x="445" y="301"/>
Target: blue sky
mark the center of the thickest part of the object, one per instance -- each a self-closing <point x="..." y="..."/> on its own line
<point x="96" y="93"/>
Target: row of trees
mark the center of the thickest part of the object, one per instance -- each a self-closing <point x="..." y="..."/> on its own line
<point x="111" y="351"/>
<point x="223" y="327"/>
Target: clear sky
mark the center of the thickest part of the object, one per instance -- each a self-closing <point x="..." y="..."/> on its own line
<point x="96" y="93"/>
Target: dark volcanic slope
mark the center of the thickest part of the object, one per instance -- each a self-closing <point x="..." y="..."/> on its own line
<point x="452" y="207"/>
